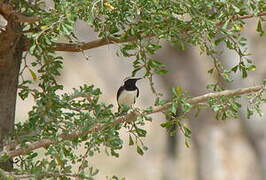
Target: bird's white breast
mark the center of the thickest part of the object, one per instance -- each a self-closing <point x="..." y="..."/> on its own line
<point x="127" y="97"/>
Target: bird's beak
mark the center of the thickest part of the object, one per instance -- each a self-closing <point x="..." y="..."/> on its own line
<point x="138" y="78"/>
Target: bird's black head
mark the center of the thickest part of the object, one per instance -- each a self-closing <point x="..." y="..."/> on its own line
<point x="131" y="82"/>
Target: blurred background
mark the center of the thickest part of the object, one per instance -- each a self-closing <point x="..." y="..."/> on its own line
<point x="234" y="149"/>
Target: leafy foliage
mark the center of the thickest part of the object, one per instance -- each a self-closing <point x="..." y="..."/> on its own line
<point x="54" y="116"/>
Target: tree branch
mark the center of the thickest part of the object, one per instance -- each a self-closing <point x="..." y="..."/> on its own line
<point x="106" y="41"/>
<point x="78" y="47"/>
<point x="126" y="118"/>
<point x="7" y="11"/>
<point x="235" y="18"/>
<point x="11" y="175"/>
<point x="91" y="44"/>
<point x="205" y="97"/>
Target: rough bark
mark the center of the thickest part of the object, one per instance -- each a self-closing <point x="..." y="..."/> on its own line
<point x="10" y="58"/>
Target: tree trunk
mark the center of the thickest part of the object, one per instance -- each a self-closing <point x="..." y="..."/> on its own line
<point x="10" y="58"/>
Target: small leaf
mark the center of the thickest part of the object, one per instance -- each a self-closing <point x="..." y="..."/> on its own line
<point x="219" y="40"/>
<point x="131" y="142"/>
<point x="139" y="150"/>
<point x="211" y="71"/>
<point x="161" y="71"/>
<point x="236" y="8"/>
<point x="154" y="63"/>
<point x="225" y="25"/>
<point x="33" y="75"/>
<point x="109" y="6"/>
<point x="113" y="153"/>
<point x="187" y="143"/>
<point x="178" y="90"/>
<point x="173" y="108"/>
<point x="244" y="73"/>
<point x="187" y="132"/>
<point x="145" y="148"/>
<point x="186" y="107"/>
<point x="32" y="48"/>
<point x="95" y="172"/>
<point x="259" y="27"/>
<point x="141" y="132"/>
<point x="234" y="69"/>
<point x="251" y="67"/>
<point x="216" y="108"/>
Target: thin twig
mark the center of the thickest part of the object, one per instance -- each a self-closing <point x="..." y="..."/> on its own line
<point x="235" y="18"/>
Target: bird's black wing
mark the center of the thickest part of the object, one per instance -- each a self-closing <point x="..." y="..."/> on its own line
<point x="137" y="95"/>
<point x="119" y="92"/>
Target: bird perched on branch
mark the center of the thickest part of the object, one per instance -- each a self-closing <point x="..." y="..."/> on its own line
<point x="128" y="92"/>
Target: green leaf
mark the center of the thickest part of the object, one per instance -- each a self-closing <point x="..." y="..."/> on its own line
<point x="187" y="132"/>
<point x="244" y="73"/>
<point x="154" y="63"/>
<point x="139" y="150"/>
<point x="173" y="108"/>
<point x="33" y="75"/>
<point x="236" y="8"/>
<point x="219" y="40"/>
<point x="145" y="148"/>
<point x="161" y="71"/>
<point x="168" y="124"/>
<point x="186" y="107"/>
<point x="251" y="67"/>
<point x="216" y="108"/>
<point x="32" y="49"/>
<point x="47" y="40"/>
<point x="141" y="132"/>
<point x="113" y="153"/>
<point x="259" y="27"/>
<point x="210" y="71"/>
<point x="4" y="157"/>
<point x="131" y="142"/>
<point x="225" y="25"/>
<point x="67" y="29"/>
<point x="234" y="69"/>
<point x="187" y="143"/>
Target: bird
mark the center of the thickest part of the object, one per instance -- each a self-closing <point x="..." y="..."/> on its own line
<point x="128" y="92"/>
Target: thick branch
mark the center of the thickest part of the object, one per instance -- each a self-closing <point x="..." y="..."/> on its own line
<point x="106" y="41"/>
<point x="92" y="44"/>
<point x="7" y="11"/>
<point x="89" y="45"/>
<point x="11" y="175"/>
<point x="129" y="117"/>
<point x="111" y="40"/>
